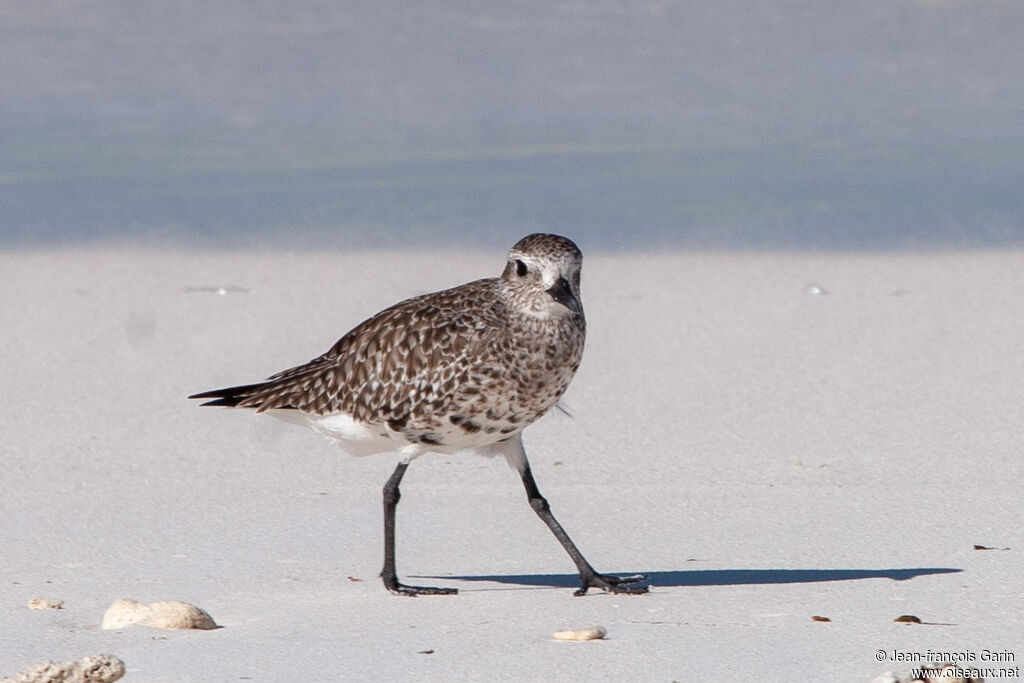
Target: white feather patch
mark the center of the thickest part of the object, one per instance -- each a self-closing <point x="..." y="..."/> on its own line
<point x="355" y="438"/>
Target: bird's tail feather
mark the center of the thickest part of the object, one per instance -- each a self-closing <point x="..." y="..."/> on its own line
<point x="230" y="396"/>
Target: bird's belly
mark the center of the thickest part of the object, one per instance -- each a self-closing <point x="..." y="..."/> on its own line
<point x="354" y="437"/>
<point x="360" y="438"/>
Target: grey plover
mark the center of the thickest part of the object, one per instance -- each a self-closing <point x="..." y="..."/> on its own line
<point x="461" y="370"/>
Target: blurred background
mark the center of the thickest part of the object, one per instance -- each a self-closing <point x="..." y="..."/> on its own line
<point x="743" y="124"/>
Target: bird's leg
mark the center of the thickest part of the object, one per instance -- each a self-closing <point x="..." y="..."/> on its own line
<point x="391" y="497"/>
<point x="588" y="576"/>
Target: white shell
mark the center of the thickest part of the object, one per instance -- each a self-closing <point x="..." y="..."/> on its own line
<point x="592" y="633"/>
<point x="167" y="614"/>
<point x="45" y="603"/>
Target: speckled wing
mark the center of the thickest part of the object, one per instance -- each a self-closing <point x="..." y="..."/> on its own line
<point x="403" y="364"/>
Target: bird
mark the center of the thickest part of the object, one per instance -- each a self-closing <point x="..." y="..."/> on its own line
<point x="462" y="370"/>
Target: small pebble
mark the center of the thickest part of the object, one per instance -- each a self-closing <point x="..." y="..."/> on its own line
<point x="166" y="614"/>
<point x="593" y="633"/>
<point x="45" y="603"/>
<point x="907" y="619"/>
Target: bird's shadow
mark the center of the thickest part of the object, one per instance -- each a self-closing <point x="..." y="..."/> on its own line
<point x="717" y="577"/>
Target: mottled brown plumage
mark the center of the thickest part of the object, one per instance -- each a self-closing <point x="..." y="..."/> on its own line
<point x="463" y="369"/>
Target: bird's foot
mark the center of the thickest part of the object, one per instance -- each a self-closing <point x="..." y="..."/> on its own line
<point x="611" y="584"/>
<point x="412" y="591"/>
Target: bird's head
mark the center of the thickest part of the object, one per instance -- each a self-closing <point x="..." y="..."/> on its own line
<point x="543" y="276"/>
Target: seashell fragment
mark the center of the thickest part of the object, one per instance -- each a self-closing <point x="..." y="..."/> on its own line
<point x="94" y="669"/>
<point x="45" y="603"/>
<point x="166" y="614"/>
<point x="592" y="633"/>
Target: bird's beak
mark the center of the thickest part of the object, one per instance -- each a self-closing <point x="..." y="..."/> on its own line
<point x="562" y="293"/>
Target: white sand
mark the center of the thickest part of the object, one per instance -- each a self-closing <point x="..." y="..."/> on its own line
<point x="766" y="453"/>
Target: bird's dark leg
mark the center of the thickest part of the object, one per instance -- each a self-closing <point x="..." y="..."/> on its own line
<point x="588" y="576"/>
<point x="391" y="497"/>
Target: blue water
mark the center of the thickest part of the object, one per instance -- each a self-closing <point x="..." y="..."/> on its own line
<point x="895" y="124"/>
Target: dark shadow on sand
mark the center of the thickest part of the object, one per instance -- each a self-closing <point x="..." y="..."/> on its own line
<point x="718" y="577"/>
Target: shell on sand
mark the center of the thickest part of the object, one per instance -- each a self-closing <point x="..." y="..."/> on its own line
<point x="593" y="633"/>
<point x="94" y="669"/>
<point x="45" y="603"/>
<point x="167" y="614"/>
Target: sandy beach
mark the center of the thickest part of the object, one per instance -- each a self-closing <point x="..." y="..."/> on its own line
<point x="770" y="437"/>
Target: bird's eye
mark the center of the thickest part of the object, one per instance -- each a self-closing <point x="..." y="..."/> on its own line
<point x="520" y="268"/>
